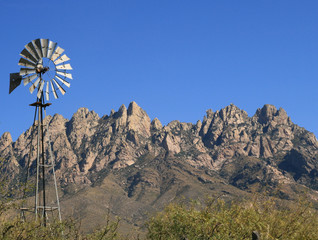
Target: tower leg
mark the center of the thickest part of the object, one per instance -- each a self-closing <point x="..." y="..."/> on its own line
<point x="43" y="161"/>
<point x="27" y="174"/>
<point x="37" y="168"/>
<point x="53" y="169"/>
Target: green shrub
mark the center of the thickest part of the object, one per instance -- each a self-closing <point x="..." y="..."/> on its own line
<point x="236" y="220"/>
<point x="17" y="229"/>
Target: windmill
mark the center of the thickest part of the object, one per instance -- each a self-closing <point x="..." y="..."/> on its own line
<point x="44" y="68"/>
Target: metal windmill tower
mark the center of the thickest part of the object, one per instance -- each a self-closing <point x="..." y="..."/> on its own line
<point x="43" y="69"/>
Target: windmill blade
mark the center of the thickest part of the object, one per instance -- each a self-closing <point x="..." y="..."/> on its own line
<point x="47" y="92"/>
<point x="32" y="50"/>
<point x="26" y="63"/>
<point x="34" y="85"/>
<point x="38" y="47"/>
<point x="15" y="81"/>
<point x="29" y="79"/>
<point x="28" y="55"/>
<point x="40" y="89"/>
<point x="62" y="59"/>
<point x="68" y="75"/>
<point x="66" y="83"/>
<point x="58" y="51"/>
<point x="53" y="90"/>
<point x="25" y="71"/>
<point x="52" y="46"/>
<point x="45" y="46"/>
<point x="64" y="67"/>
<point x="59" y="86"/>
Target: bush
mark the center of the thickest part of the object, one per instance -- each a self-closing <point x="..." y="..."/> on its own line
<point x="17" y="229"/>
<point x="235" y="220"/>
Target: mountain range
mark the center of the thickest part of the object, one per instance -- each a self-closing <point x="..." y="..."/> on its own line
<point x="133" y="166"/>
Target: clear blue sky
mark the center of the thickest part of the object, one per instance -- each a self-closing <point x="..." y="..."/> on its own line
<point x="175" y="58"/>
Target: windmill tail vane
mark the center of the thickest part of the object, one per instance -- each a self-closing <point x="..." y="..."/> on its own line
<point x="15" y="81"/>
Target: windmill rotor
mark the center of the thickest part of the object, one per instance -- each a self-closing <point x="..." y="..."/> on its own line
<point x="44" y="67"/>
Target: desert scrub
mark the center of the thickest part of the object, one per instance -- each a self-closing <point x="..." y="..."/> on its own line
<point x="17" y="229"/>
<point x="234" y="220"/>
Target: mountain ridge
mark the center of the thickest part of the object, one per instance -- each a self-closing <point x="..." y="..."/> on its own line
<point x="125" y="157"/>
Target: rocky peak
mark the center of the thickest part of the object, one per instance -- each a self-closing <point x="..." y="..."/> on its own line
<point x="5" y="140"/>
<point x="121" y="117"/>
<point x="134" y="109"/>
<point x="81" y="125"/>
<point x="81" y="113"/>
<point x="6" y="153"/>
<point x="138" y="120"/>
<point x="268" y="113"/>
<point x="228" y="115"/>
<point x="198" y="127"/>
<point x="57" y="122"/>
<point x="215" y="124"/>
<point x="207" y="119"/>
<point x="173" y="125"/>
<point x="156" y="125"/>
<point x="209" y="113"/>
<point x="84" y="114"/>
<point x="121" y="111"/>
<point x="232" y="114"/>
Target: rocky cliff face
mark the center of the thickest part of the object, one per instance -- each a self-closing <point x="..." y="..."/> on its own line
<point x="147" y="165"/>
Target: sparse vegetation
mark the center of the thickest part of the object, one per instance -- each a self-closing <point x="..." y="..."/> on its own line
<point x="215" y="219"/>
<point x="17" y="229"/>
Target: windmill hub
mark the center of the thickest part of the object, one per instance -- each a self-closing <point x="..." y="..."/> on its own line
<point x="41" y="69"/>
